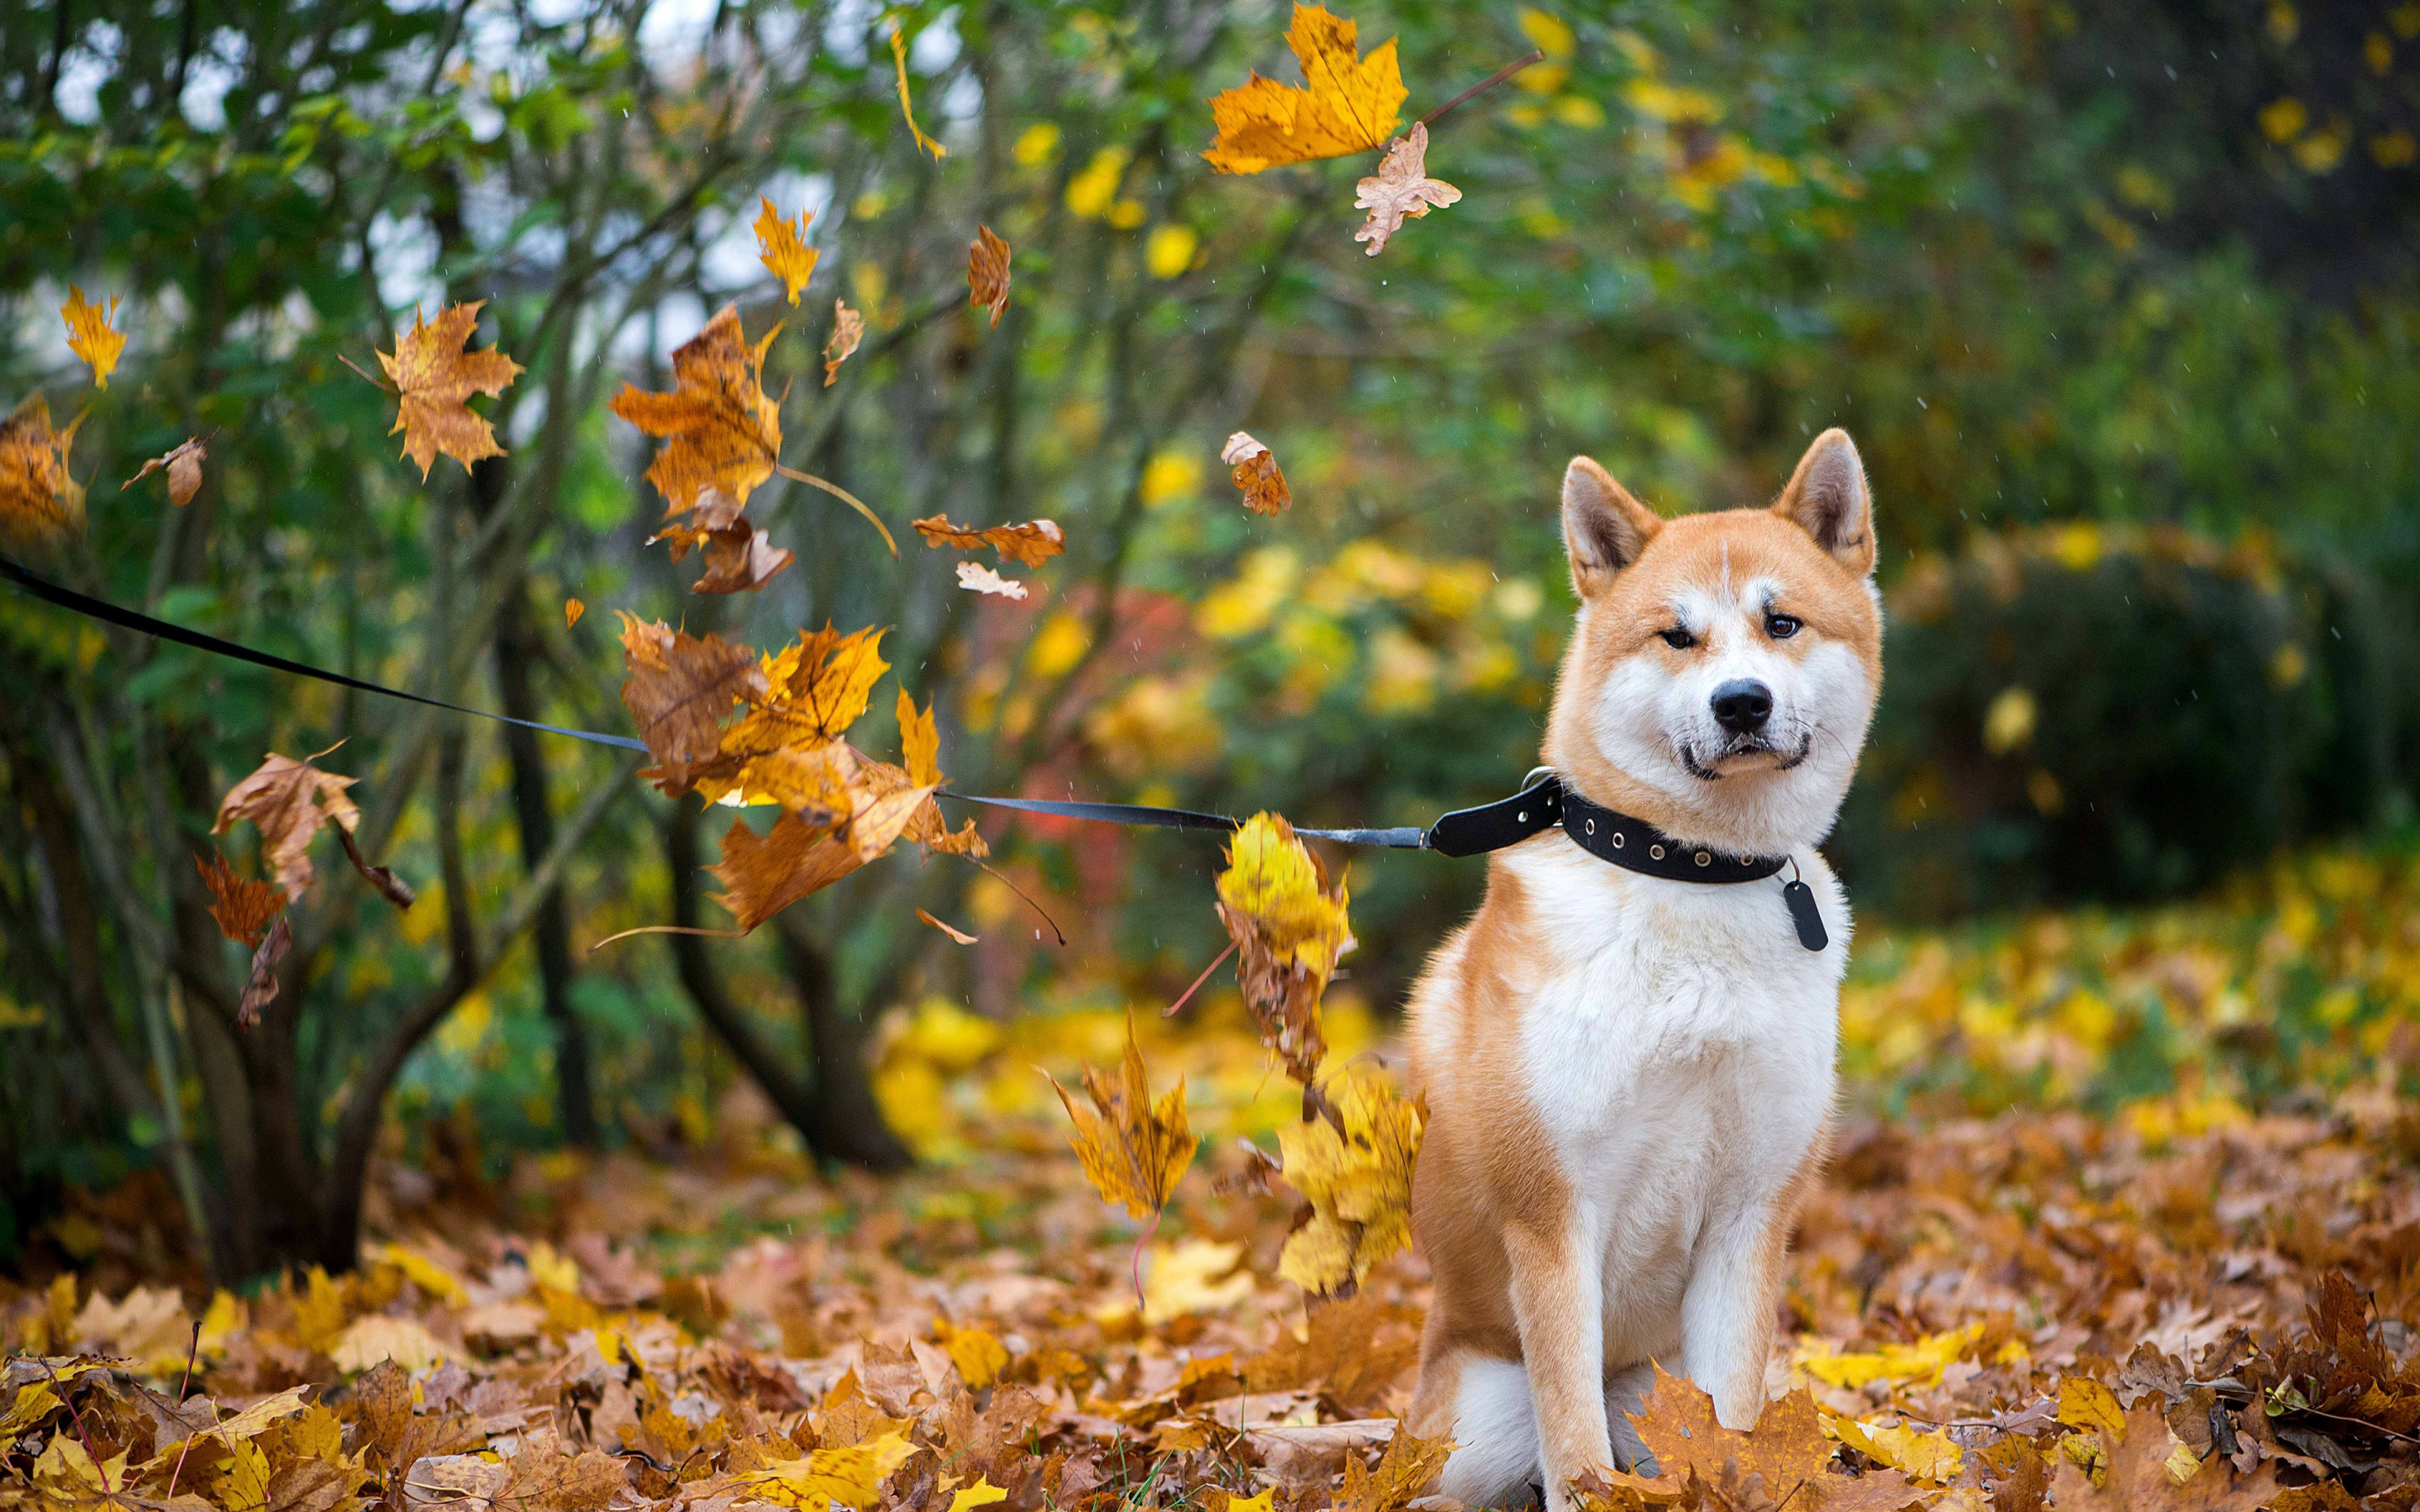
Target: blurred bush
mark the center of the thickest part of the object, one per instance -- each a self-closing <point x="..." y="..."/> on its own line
<point x="2118" y="713"/>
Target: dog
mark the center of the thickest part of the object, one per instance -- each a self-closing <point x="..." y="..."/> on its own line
<point x="1630" y="1078"/>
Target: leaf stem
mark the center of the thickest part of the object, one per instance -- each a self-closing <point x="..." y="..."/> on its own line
<point x="102" y="1470"/>
<point x="1142" y="1240"/>
<point x="669" y="929"/>
<point x="1536" y="56"/>
<point x="838" y="492"/>
<point x="1170" y="1011"/>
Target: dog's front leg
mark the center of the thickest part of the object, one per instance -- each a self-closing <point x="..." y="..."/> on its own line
<point x="1556" y="1293"/>
<point x="1727" y="1314"/>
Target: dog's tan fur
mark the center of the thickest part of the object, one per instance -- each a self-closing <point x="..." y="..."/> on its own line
<point x="1495" y="1197"/>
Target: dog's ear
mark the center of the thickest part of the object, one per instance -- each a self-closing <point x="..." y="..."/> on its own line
<point x="1827" y="497"/>
<point x="1604" y="527"/>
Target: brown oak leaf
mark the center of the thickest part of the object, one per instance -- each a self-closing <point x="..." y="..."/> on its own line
<point x="261" y="990"/>
<point x="184" y="464"/>
<point x="1401" y="188"/>
<point x="1032" y="543"/>
<point x="987" y="273"/>
<point x="1256" y="473"/>
<point x="434" y="375"/>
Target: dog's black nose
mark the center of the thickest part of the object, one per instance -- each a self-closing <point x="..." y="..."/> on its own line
<point x="1742" y="705"/>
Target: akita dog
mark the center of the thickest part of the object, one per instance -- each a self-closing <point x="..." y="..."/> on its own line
<point x="1629" y="1067"/>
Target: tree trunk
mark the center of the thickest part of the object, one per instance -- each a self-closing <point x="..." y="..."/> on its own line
<point x="833" y="1106"/>
<point x="849" y="1122"/>
<point x="575" y="1091"/>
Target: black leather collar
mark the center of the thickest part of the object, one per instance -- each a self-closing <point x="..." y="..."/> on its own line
<point x="1631" y="844"/>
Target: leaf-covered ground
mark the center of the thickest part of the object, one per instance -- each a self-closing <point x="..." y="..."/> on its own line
<point x="2174" y="1301"/>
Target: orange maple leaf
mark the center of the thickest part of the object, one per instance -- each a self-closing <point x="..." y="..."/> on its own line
<point x="783" y="249"/>
<point x="723" y="432"/>
<point x="1785" y="1449"/>
<point x="184" y="464"/>
<point x="1402" y="1473"/>
<point x="848" y="328"/>
<point x="987" y="273"/>
<point x="1132" y="1148"/>
<point x="242" y="907"/>
<point x="89" y="336"/>
<point x="1256" y="473"/>
<point x="39" y="500"/>
<point x="1032" y="543"/>
<point x="1350" y="104"/>
<point x="435" y="375"/>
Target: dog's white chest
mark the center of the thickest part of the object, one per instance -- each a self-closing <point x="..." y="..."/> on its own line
<point x="1678" y="1041"/>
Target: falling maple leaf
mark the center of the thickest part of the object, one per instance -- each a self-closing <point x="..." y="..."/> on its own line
<point x="960" y="935"/>
<point x="435" y="375"/>
<point x="679" y="688"/>
<point x="261" y="989"/>
<point x="39" y="501"/>
<point x="1402" y="1474"/>
<point x="572" y="609"/>
<point x="763" y="875"/>
<point x="987" y="273"/>
<point x="1350" y="105"/>
<point x="1401" y="188"/>
<point x="184" y="464"/>
<point x="908" y="106"/>
<point x="1256" y="473"/>
<point x="782" y="247"/>
<point x="1288" y="930"/>
<point x="1032" y="543"/>
<point x="848" y="328"/>
<point x="740" y="557"/>
<point x="289" y="800"/>
<point x="919" y="742"/>
<point x="242" y="907"/>
<point x="974" y="576"/>
<point x="1131" y="1147"/>
<point x="813" y="691"/>
<point x="1353" y="1164"/>
<point x="723" y="432"/>
<point x="89" y="335"/>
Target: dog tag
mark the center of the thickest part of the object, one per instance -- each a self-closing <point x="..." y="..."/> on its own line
<point x="1801" y="899"/>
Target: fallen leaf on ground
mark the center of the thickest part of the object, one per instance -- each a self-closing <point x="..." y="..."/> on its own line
<point x="2142" y="1473"/>
<point x="1132" y="1149"/>
<point x="1289" y="930"/>
<point x="1402" y="1473"/>
<point x="1256" y="473"/>
<point x="184" y="464"/>
<point x="722" y="431"/>
<point x="1032" y="543"/>
<point x="961" y="936"/>
<point x="974" y="576"/>
<point x="289" y="800"/>
<point x="848" y="328"/>
<point x="1401" y="189"/>
<point x="987" y="273"/>
<point x="261" y="990"/>
<point x="242" y="906"/>
<point x="1353" y="1164"/>
<point x="89" y="335"/>
<point x="572" y="609"/>
<point x="906" y="105"/>
<point x="1350" y="105"/>
<point x="1786" y="1448"/>
<point x="39" y="500"/>
<point x="435" y="375"/>
<point x="782" y="247"/>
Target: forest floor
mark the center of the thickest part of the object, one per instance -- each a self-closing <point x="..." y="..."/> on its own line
<point x="2174" y="1301"/>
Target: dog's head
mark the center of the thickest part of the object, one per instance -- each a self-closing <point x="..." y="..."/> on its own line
<point x="1724" y="666"/>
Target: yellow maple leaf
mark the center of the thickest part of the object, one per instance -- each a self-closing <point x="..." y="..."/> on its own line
<point x="1289" y="930"/>
<point x="1928" y="1457"/>
<point x="979" y="1356"/>
<point x="1353" y="1164"/>
<point x="1351" y="104"/>
<point x="1402" y="1473"/>
<point x="89" y="336"/>
<point x="851" y="1476"/>
<point x="2086" y="1403"/>
<point x="920" y="737"/>
<point x="783" y="249"/>
<point x="1132" y="1148"/>
<point x="434" y="374"/>
<point x="908" y="106"/>
<point x="723" y="432"/>
<point x="814" y="689"/>
<point x="1919" y="1364"/>
<point x="39" y="500"/>
<point x="982" y="1493"/>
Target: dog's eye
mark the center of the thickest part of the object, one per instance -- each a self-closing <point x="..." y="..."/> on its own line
<point x="1780" y="626"/>
<point x="1678" y="639"/>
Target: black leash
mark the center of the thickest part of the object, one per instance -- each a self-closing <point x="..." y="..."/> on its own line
<point x="1543" y="802"/>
